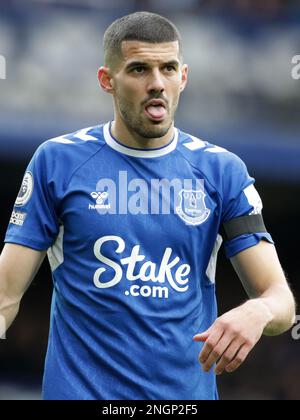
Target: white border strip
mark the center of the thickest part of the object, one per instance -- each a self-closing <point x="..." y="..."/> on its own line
<point x="139" y="153"/>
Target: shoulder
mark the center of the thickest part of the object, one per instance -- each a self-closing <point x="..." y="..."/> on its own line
<point x="57" y="159"/>
<point x="74" y="145"/>
<point x="210" y="159"/>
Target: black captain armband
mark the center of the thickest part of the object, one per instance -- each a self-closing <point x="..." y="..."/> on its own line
<point x="243" y="225"/>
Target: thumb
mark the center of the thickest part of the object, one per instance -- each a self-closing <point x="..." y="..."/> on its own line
<point x="202" y="337"/>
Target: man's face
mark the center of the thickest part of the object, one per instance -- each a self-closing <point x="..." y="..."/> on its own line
<point x="147" y="83"/>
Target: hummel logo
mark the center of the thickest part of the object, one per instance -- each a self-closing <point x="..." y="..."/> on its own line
<point x="101" y="198"/>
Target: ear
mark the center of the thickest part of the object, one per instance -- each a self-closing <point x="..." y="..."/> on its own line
<point x="105" y="80"/>
<point x="184" y="76"/>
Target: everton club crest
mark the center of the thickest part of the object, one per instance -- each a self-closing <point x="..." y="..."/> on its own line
<point x="192" y="208"/>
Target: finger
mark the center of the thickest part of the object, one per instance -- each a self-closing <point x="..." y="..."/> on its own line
<point x="217" y="351"/>
<point x="228" y="356"/>
<point x="203" y="336"/>
<point x="210" y="344"/>
<point x="239" y="359"/>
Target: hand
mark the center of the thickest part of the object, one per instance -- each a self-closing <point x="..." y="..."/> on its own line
<point x="232" y="336"/>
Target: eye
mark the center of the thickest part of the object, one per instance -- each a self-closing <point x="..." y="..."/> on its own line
<point x="170" y="68"/>
<point x="138" y="69"/>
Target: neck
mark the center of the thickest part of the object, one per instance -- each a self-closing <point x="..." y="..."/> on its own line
<point x="130" y="138"/>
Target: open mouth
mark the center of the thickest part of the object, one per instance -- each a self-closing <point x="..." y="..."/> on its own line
<point x="156" y="110"/>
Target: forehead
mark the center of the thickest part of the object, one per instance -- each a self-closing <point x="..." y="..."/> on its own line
<point x="148" y="52"/>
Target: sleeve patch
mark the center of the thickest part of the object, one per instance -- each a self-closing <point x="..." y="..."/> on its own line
<point x="253" y="199"/>
<point x="26" y="190"/>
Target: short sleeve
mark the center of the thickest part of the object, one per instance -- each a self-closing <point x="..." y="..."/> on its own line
<point x="34" y="222"/>
<point x="240" y="199"/>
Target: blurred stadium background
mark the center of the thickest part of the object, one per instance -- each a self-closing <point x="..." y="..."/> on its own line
<point x="240" y="96"/>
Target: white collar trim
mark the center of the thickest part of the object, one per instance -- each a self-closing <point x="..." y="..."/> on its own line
<point x="141" y="153"/>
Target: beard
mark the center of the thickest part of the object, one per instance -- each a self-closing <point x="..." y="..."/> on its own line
<point x="140" y="124"/>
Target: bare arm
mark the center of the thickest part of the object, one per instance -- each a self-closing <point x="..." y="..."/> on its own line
<point x="270" y="311"/>
<point x="18" y="267"/>
<point x="260" y="272"/>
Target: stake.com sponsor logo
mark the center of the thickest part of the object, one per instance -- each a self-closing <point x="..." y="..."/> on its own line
<point x="169" y="271"/>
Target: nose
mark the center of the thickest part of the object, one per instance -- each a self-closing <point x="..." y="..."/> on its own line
<point x="156" y="83"/>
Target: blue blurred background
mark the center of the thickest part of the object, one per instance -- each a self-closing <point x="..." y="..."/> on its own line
<point x="241" y="95"/>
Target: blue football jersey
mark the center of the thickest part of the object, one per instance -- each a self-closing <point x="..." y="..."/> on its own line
<point x="132" y="238"/>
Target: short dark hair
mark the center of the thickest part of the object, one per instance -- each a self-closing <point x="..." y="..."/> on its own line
<point x="138" y="26"/>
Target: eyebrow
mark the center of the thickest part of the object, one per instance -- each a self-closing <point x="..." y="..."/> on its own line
<point x="144" y="63"/>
